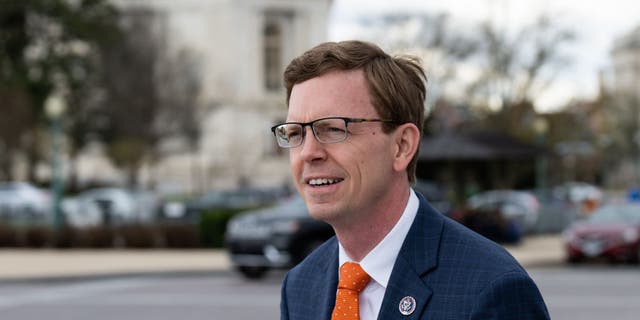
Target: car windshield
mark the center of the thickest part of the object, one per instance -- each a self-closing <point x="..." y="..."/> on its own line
<point x="616" y="214"/>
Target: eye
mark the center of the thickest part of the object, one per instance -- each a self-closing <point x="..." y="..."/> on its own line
<point x="336" y="129"/>
<point x="330" y="127"/>
<point x="291" y="132"/>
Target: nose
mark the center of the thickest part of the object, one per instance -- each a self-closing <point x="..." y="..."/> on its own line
<point x="311" y="149"/>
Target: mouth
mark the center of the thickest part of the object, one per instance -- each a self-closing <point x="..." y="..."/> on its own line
<point x="321" y="182"/>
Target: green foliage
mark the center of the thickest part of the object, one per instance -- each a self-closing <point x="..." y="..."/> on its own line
<point x="127" y="151"/>
<point x="213" y="226"/>
<point x="113" y="69"/>
<point x="47" y="46"/>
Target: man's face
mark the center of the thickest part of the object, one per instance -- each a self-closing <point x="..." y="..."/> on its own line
<point x="357" y="170"/>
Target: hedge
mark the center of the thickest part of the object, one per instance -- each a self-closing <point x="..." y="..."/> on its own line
<point x="213" y="226"/>
<point x="208" y="232"/>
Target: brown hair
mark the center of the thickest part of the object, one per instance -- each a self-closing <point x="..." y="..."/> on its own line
<point x="397" y="85"/>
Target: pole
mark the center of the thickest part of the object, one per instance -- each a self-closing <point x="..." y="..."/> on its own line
<point x="55" y="107"/>
<point x="57" y="183"/>
<point x="540" y="127"/>
<point x="541" y="172"/>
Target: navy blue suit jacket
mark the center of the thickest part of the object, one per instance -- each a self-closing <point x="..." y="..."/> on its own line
<point x="451" y="271"/>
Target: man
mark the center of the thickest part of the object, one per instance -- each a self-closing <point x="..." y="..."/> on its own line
<point x="353" y="131"/>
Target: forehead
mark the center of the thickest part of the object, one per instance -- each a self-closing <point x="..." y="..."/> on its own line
<point x="337" y="93"/>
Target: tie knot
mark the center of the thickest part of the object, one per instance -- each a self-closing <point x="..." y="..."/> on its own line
<point x="352" y="277"/>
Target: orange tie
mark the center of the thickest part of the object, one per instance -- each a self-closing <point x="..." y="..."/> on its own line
<point x="352" y="280"/>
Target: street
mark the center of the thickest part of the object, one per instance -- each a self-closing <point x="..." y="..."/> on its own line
<point x="581" y="292"/>
<point x="188" y="297"/>
<point x="590" y="292"/>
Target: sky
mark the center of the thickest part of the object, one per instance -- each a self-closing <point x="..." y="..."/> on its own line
<point x="596" y="24"/>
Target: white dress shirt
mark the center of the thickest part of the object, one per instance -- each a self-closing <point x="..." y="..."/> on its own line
<point x="379" y="262"/>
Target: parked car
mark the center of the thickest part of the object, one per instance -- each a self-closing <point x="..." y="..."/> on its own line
<point x="111" y="206"/>
<point x="490" y="223"/>
<point x="585" y="196"/>
<point x="282" y="235"/>
<point x="276" y="237"/>
<point x="435" y="194"/>
<point x="243" y="198"/>
<point x="556" y="213"/>
<point x="24" y="203"/>
<point x="612" y="232"/>
<point x="81" y="214"/>
<point x="522" y="207"/>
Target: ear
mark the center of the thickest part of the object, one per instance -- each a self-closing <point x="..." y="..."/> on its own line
<point x="407" y="139"/>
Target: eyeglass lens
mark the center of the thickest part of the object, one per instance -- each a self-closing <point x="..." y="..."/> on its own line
<point x="325" y="130"/>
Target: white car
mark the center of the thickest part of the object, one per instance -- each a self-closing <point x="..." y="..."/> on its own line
<point x="578" y="192"/>
<point x="111" y="206"/>
<point x="24" y="203"/>
<point x="81" y="214"/>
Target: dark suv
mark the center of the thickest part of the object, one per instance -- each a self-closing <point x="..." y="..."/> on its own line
<point x="275" y="237"/>
<point x="283" y="235"/>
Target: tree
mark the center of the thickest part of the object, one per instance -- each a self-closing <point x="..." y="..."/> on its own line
<point x="511" y="69"/>
<point x="16" y="111"/>
<point x="520" y="68"/>
<point x="150" y="95"/>
<point x="433" y="38"/>
<point x="515" y="70"/>
<point x="622" y="131"/>
<point x="45" y="46"/>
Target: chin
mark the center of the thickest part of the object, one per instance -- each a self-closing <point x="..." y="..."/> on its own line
<point x="322" y="212"/>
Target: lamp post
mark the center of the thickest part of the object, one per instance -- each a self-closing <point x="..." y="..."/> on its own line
<point x="55" y="106"/>
<point x="541" y="126"/>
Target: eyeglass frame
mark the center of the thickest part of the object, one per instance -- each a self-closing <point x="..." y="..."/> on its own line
<point x="346" y="120"/>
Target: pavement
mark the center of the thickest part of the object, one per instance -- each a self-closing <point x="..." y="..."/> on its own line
<point x="539" y="251"/>
<point x="52" y="264"/>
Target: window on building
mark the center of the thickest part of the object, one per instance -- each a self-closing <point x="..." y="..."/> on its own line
<point x="273" y="47"/>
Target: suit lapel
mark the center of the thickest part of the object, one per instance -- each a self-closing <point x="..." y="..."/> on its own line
<point x="418" y="255"/>
<point x="325" y="284"/>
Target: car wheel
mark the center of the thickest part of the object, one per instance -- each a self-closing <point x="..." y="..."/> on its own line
<point x="253" y="272"/>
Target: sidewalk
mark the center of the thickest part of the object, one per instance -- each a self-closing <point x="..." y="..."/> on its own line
<point x="25" y="264"/>
<point x="539" y="250"/>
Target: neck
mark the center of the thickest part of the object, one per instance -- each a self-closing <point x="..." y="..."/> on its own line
<point x="358" y="239"/>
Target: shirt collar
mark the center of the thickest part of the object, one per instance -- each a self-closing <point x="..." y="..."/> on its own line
<point x="379" y="262"/>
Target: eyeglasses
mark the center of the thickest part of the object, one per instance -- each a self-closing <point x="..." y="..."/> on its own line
<point x="326" y="130"/>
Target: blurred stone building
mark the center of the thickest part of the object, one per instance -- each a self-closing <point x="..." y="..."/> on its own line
<point x="626" y="63"/>
<point x="242" y="48"/>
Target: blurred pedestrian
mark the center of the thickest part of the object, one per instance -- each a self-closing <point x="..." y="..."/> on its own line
<point x="353" y="130"/>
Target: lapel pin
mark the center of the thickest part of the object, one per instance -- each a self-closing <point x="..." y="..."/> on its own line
<point x="407" y="305"/>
